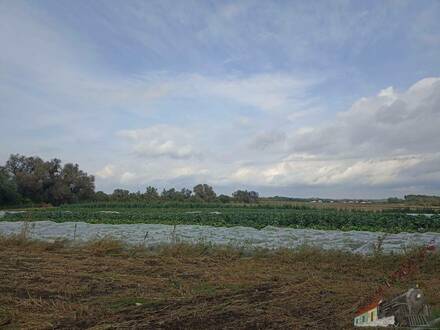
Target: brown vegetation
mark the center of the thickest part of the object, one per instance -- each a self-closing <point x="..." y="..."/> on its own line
<point x="357" y="206"/>
<point x="104" y="285"/>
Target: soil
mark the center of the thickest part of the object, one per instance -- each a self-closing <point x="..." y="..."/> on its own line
<point x="104" y="285"/>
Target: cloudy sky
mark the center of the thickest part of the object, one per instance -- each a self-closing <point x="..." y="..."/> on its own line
<point x="295" y="98"/>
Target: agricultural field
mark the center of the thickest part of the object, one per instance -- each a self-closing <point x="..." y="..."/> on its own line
<point x="104" y="285"/>
<point x="228" y="215"/>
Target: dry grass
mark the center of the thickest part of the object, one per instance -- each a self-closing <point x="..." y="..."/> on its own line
<point x="371" y="207"/>
<point x="104" y="285"/>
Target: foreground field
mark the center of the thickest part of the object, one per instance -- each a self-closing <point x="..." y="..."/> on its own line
<point x="226" y="215"/>
<point x="104" y="285"/>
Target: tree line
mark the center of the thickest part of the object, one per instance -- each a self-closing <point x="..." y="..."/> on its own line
<point x="199" y="193"/>
<point x="25" y="180"/>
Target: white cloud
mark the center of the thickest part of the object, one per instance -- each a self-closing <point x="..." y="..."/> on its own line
<point x="375" y="143"/>
<point x="107" y="171"/>
<point x="388" y="139"/>
<point x="264" y="91"/>
<point x="268" y="140"/>
<point x="188" y="171"/>
<point x="127" y="177"/>
<point x="325" y="172"/>
<point x="390" y="123"/>
<point x="366" y="146"/>
<point x="160" y="141"/>
<point x="169" y="148"/>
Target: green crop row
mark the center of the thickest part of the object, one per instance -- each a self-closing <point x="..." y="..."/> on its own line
<point x="179" y="205"/>
<point x="255" y="216"/>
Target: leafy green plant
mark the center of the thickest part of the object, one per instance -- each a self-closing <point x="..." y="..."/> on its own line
<point x="227" y="215"/>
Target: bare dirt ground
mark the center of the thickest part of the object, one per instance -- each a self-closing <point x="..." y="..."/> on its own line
<point x="103" y="285"/>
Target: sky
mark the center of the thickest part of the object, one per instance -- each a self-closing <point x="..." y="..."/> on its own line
<point x="337" y="99"/>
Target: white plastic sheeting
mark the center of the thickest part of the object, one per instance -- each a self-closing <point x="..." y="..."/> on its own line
<point x="268" y="237"/>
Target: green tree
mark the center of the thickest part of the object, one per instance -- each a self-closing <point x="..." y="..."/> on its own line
<point x="74" y="184"/>
<point x="204" y="192"/>
<point x="48" y="181"/>
<point x="171" y="195"/>
<point x="135" y="196"/>
<point x="8" y="188"/>
<point x="186" y="193"/>
<point x="245" y="196"/>
<point x="175" y="195"/>
<point x="151" y="194"/>
<point x="120" y="195"/>
<point x="101" y="196"/>
<point x="224" y="198"/>
<point x="31" y="175"/>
